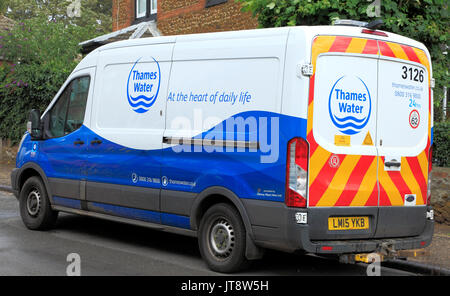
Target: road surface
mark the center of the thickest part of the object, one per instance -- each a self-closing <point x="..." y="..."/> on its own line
<point x="110" y="248"/>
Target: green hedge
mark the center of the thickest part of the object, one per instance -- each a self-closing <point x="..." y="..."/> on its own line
<point x="441" y="139"/>
<point x="40" y="55"/>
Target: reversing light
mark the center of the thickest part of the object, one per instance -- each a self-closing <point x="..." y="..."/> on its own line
<point x="297" y="173"/>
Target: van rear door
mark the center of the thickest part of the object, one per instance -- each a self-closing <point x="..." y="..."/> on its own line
<point x="403" y="130"/>
<point x="369" y="134"/>
<point x="341" y="133"/>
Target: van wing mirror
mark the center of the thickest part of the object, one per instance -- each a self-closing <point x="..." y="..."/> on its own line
<point x="34" y="127"/>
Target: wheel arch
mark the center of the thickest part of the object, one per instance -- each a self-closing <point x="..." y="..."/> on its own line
<point x="215" y="195"/>
<point x="29" y="170"/>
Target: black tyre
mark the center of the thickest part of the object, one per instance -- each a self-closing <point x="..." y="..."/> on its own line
<point x="222" y="239"/>
<point x="34" y="204"/>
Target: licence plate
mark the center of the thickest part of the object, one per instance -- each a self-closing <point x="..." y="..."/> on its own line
<point x="348" y="223"/>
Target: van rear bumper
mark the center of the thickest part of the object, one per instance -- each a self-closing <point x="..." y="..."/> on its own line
<point x="300" y="240"/>
<point x="299" y="236"/>
<point x="274" y="226"/>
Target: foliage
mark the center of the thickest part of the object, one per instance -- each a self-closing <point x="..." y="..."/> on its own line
<point x="441" y="138"/>
<point x="423" y="20"/>
<point x="40" y="55"/>
<point x="3" y="6"/>
<point x="95" y="14"/>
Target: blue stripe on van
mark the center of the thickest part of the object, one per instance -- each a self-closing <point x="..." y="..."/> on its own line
<point x="67" y="202"/>
<point x="137" y="214"/>
<point x="175" y="220"/>
<point x="240" y="171"/>
<point x="145" y="215"/>
<point x="431" y="136"/>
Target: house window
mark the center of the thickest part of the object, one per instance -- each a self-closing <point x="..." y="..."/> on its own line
<point x="146" y="9"/>
<point x="141" y="8"/>
<point x="153" y="6"/>
<point x="210" y="3"/>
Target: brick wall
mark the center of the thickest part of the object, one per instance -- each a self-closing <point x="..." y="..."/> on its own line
<point x="122" y="14"/>
<point x="193" y="17"/>
<point x="187" y="16"/>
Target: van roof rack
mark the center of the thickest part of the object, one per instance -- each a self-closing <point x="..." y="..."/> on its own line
<point x="372" y="25"/>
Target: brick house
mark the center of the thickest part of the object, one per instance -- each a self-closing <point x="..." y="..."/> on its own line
<point x="147" y="18"/>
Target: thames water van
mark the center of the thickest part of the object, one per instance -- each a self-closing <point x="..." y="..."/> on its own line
<point x="313" y="139"/>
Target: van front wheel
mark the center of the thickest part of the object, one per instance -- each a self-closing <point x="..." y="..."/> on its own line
<point x="34" y="204"/>
<point x="222" y="239"/>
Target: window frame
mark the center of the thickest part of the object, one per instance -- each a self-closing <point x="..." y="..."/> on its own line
<point x="210" y="3"/>
<point x="46" y="117"/>
<point x="144" y="14"/>
<point x="153" y="10"/>
<point x="150" y="12"/>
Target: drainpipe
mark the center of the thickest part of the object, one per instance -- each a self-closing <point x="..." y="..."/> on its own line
<point x="444" y="104"/>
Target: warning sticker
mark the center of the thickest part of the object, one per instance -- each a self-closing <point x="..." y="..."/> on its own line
<point x="414" y="118"/>
<point x="341" y="140"/>
<point x="334" y="161"/>
<point x="368" y="140"/>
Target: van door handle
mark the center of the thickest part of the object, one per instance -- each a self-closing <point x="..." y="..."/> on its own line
<point x="93" y="142"/>
<point x="392" y="164"/>
<point x="78" y="142"/>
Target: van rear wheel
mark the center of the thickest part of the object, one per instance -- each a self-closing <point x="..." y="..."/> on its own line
<point x="34" y="204"/>
<point x="222" y="239"/>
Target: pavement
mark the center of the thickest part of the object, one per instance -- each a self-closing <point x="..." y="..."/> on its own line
<point x="5" y="173"/>
<point x="109" y="248"/>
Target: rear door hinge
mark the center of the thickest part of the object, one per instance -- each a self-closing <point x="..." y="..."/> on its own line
<point x="305" y="70"/>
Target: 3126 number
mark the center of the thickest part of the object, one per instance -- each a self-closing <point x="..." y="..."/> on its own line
<point x="413" y="74"/>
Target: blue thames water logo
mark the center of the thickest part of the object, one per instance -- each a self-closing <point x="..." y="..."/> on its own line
<point x="143" y="85"/>
<point x="350" y="104"/>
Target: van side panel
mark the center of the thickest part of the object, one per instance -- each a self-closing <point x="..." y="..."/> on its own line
<point x="125" y="134"/>
<point x="224" y="98"/>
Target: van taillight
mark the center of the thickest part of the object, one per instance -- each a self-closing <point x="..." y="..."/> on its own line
<point x="297" y="173"/>
<point x="374" y="32"/>
<point x="430" y="167"/>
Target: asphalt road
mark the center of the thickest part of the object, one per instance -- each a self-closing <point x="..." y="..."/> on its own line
<point x="109" y="248"/>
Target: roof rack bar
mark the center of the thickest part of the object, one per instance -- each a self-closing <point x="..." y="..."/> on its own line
<point x="372" y="25"/>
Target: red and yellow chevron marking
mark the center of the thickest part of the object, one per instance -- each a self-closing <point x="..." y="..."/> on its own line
<point x="354" y="182"/>
<point x="413" y="177"/>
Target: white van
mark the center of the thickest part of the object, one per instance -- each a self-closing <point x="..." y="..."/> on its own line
<point x="314" y="139"/>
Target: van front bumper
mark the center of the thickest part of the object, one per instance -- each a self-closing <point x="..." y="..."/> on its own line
<point x="14" y="181"/>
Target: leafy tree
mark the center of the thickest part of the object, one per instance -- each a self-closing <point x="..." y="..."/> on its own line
<point x="441" y="153"/>
<point x="95" y="14"/>
<point x="3" y="6"/>
<point x="41" y="55"/>
<point x="423" y="20"/>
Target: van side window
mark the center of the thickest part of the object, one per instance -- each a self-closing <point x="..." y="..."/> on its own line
<point x="77" y="104"/>
<point x="67" y="114"/>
